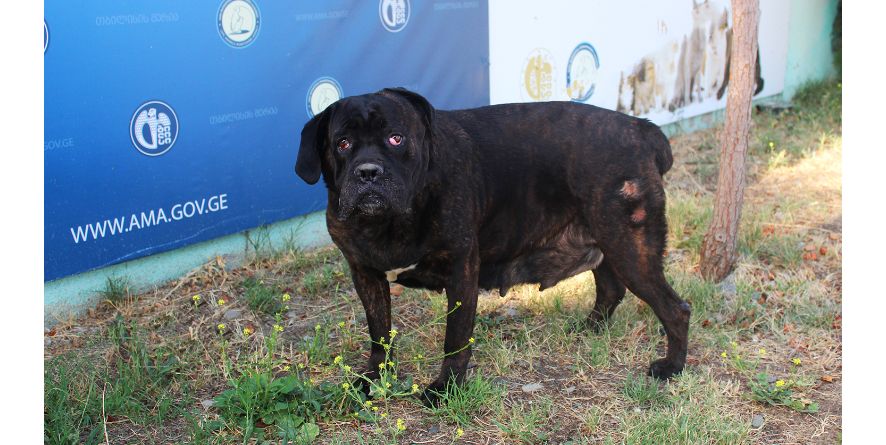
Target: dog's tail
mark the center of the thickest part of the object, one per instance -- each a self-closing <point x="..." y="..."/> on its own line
<point x="657" y="140"/>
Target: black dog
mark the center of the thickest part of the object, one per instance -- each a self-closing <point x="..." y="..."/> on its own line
<point x="489" y="198"/>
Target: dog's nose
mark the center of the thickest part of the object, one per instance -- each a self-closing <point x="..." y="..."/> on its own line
<point x="368" y="172"/>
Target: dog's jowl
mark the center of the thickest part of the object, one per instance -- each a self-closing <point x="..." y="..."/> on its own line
<point x="489" y="198"/>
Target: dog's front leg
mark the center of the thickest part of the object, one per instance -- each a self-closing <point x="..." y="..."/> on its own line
<point x="375" y="294"/>
<point x="461" y="295"/>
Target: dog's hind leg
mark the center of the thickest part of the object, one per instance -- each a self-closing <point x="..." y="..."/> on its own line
<point x="610" y="292"/>
<point x="632" y="236"/>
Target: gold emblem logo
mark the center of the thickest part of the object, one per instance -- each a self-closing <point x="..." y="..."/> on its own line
<point x="539" y="75"/>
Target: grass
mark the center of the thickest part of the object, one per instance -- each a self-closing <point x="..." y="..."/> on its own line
<point x="162" y="366"/>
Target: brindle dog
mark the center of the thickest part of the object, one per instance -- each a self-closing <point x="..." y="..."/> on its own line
<point x="489" y="198"/>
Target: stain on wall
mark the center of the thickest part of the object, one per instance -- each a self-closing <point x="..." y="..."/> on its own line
<point x="690" y="70"/>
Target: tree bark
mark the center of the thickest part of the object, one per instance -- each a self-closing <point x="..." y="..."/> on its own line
<point x="719" y="249"/>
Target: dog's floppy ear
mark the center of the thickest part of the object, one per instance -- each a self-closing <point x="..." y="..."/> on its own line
<point x="417" y="100"/>
<point x="313" y="140"/>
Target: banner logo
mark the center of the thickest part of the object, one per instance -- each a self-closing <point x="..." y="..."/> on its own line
<point x="153" y="128"/>
<point x="538" y="76"/>
<point x="238" y="22"/>
<point x="394" y="14"/>
<point x="322" y="93"/>
<point x="581" y="72"/>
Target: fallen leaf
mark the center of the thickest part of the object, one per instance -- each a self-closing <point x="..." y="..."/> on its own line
<point x="788" y="328"/>
<point x="827" y="378"/>
<point x="810" y="256"/>
<point x="838" y="322"/>
<point x="396" y="290"/>
<point x="822" y="250"/>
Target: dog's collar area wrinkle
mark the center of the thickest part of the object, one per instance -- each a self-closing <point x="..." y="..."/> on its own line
<point x="391" y="275"/>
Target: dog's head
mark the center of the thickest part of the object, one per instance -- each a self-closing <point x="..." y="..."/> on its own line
<point x="372" y="150"/>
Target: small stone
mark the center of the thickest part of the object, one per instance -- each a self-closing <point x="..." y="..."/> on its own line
<point x="532" y="387"/>
<point x="728" y="287"/>
<point x="569" y="390"/>
<point x="757" y="421"/>
<point x="434" y="429"/>
<point x="233" y="314"/>
<point x="208" y="404"/>
<point x="511" y="312"/>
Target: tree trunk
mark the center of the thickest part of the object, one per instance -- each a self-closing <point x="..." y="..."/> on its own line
<point x="718" y="252"/>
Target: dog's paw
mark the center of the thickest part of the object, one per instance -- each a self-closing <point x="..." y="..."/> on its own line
<point x="664" y="369"/>
<point x="363" y="384"/>
<point x="433" y="395"/>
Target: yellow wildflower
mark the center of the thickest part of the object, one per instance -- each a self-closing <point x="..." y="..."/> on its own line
<point x="796" y="361"/>
<point x="347" y="368"/>
<point x="471" y="340"/>
<point x="779" y="383"/>
<point x="388" y="384"/>
<point x="221" y="326"/>
<point x="301" y="366"/>
<point x="381" y="365"/>
<point x="337" y="359"/>
<point x="723" y="354"/>
<point x="247" y="331"/>
<point x="286" y="368"/>
<point x="375" y="408"/>
<point x="221" y="302"/>
<point x="414" y="388"/>
<point x="278" y="328"/>
<point x="317" y="328"/>
<point x="457" y="303"/>
<point x="393" y="333"/>
<point x="341" y="324"/>
<point x="286" y="297"/>
<point x="383" y="415"/>
<point x="762" y="351"/>
<point x="401" y="425"/>
<point x="196" y="298"/>
<point x="345" y="386"/>
<point x="459" y="432"/>
<point x="367" y="404"/>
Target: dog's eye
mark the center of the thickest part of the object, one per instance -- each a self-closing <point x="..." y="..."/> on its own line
<point x="395" y="139"/>
<point x="344" y="144"/>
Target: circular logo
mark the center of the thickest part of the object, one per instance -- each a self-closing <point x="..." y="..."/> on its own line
<point x="238" y="22"/>
<point x="45" y="36"/>
<point x="581" y="72"/>
<point x="539" y="76"/>
<point x="394" y="14"/>
<point x="153" y="128"/>
<point x="323" y="93"/>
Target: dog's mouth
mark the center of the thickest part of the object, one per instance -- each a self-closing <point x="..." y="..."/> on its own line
<point x="371" y="204"/>
<point x="365" y="199"/>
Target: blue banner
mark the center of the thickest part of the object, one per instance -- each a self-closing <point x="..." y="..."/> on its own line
<point x="169" y="123"/>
